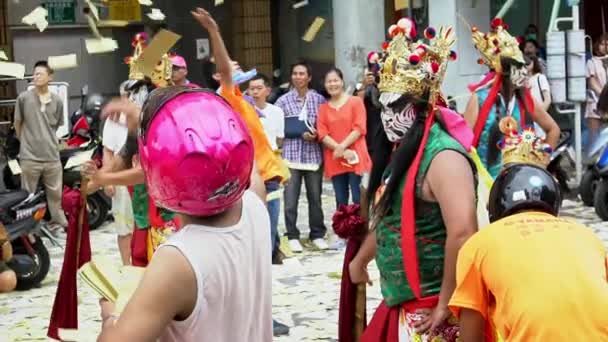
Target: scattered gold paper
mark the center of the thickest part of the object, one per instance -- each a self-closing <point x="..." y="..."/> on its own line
<point x="93" y="26"/>
<point x="300" y="4"/>
<point x="63" y="62"/>
<point x="112" y="23"/>
<point x="100" y="45"/>
<point x="401" y="4"/>
<point x="93" y="9"/>
<point x="314" y="28"/>
<point x="13" y="165"/>
<point x="156" y="14"/>
<point x="12" y="69"/>
<point x="74" y="335"/>
<point x="37" y="17"/>
<point x="3" y="55"/>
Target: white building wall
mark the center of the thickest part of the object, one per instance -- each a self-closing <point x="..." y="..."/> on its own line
<point x="358" y="29"/>
<point x="465" y="69"/>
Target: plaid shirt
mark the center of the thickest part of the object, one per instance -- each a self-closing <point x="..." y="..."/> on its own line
<point x="299" y="150"/>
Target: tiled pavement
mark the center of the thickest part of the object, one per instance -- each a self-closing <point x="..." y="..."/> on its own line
<point x="305" y="288"/>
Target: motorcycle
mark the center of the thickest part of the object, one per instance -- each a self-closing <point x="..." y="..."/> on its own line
<point x="84" y="141"/>
<point x="20" y="213"/>
<point x="600" y="197"/>
<point x="561" y="161"/>
<point x="597" y="159"/>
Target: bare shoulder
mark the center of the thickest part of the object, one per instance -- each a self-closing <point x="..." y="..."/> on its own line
<point x="453" y="161"/>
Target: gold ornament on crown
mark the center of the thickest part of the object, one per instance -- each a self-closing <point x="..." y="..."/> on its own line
<point x="522" y="148"/>
<point x="408" y="67"/>
<point x="161" y="77"/>
<point x="496" y="44"/>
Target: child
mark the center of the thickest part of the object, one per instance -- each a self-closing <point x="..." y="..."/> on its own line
<point x="197" y="156"/>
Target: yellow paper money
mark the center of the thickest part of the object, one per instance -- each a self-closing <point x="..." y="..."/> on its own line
<point x="37" y="17"/>
<point x="112" y="23"/>
<point x="314" y="28"/>
<point x="100" y="45"/>
<point x="63" y="62"/>
<point x="401" y="4"/>
<point x="12" y="69"/>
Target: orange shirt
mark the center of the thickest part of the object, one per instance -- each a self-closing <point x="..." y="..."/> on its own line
<point x="537" y="278"/>
<point x="338" y="124"/>
<point x="269" y="164"/>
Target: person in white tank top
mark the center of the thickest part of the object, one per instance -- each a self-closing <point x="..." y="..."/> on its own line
<point x="211" y="281"/>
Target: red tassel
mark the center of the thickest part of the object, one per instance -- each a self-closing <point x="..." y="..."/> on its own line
<point x="65" y="308"/>
<point x="408" y="215"/>
<point x="485" y="109"/>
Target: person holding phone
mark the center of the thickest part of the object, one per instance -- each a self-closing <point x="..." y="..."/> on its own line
<point x="342" y="128"/>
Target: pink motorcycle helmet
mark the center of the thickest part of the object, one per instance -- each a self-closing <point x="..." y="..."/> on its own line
<point x="195" y="150"/>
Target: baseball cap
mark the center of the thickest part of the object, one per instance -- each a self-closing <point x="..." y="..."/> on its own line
<point x="179" y="61"/>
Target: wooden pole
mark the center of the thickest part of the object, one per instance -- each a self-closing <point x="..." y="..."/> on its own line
<point x="361" y="296"/>
<point x="84" y="184"/>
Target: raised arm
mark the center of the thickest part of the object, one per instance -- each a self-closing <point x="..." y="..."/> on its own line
<point x="546" y="122"/>
<point x="220" y="54"/>
<point x="472" y="111"/>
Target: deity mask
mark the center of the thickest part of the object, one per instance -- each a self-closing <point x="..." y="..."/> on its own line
<point x="518" y="75"/>
<point x="396" y="123"/>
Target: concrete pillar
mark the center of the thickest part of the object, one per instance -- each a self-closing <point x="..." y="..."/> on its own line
<point x="358" y="29"/>
<point x="465" y="69"/>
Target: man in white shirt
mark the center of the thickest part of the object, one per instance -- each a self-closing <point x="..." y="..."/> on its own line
<point x="273" y="120"/>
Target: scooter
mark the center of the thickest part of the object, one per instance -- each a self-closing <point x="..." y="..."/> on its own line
<point x="597" y="158"/>
<point x="83" y="139"/>
<point x="561" y="161"/>
<point x="600" y="198"/>
<point x="20" y="213"/>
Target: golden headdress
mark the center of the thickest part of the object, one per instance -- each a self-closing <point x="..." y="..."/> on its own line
<point x="522" y="148"/>
<point x="413" y="67"/>
<point x="496" y="44"/>
<point x="161" y="77"/>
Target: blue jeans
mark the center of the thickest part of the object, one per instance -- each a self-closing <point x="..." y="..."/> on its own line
<point x="274" y="208"/>
<point x="342" y="183"/>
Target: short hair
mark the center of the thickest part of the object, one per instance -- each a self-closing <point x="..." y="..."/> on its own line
<point x="262" y="77"/>
<point x="44" y="64"/>
<point x="302" y="64"/>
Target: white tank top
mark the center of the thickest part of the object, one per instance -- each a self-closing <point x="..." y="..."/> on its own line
<point x="233" y="275"/>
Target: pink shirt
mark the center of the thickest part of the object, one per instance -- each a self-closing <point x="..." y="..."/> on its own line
<point x="338" y="124"/>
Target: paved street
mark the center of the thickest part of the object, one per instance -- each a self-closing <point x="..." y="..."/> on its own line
<point x="305" y="288"/>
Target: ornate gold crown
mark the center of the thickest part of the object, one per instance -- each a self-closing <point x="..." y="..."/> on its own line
<point x="413" y="67"/>
<point x="161" y="77"/>
<point x="524" y="148"/>
<point x="496" y="44"/>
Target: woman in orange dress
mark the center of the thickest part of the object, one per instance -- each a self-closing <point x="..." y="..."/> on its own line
<point x="341" y="128"/>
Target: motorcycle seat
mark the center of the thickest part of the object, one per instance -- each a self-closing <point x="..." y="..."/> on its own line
<point x="12" y="197"/>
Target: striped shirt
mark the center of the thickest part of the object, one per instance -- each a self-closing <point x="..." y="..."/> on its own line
<point x="298" y="150"/>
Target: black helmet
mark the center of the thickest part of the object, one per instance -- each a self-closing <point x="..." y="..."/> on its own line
<point x="523" y="187"/>
<point x="93" y="104"/>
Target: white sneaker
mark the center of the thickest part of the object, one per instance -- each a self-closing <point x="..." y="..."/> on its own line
<point x="338" y="245"/>
<point x="295" y="246"/>
<point x="320" y="244"/>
